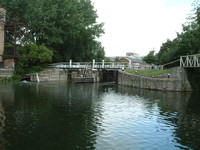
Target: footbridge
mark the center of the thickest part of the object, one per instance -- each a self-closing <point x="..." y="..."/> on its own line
<point x="93" y="65"/>
<point x="190" y="61"/>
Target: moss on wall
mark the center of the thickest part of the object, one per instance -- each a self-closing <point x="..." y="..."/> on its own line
<point x="194" y="78"/>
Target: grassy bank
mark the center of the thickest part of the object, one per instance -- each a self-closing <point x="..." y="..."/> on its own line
<point x="148" y="72"/>
<point x="10" y="79"/>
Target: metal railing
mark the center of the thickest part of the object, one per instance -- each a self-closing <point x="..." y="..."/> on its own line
<point x="92" y="65"/>
<point x="190" y="61"/>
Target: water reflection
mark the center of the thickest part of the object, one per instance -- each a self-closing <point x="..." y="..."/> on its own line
<point x="63" y="116"/>
<point x="188" y="123"/>
<point x="2" y="126"/>
<point x="6" y="93"/>
<point x="51" y="116"/>
<point x="178" y="110"/>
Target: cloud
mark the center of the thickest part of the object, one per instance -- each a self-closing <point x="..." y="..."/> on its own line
<point x="138" y="25"/>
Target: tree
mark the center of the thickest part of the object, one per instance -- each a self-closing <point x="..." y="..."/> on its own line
<point x="116" y="59"/>
<point x="186" y="43"/>
<point x="68" y="27"/>
<point x="32" y="57"/>
<point x="167" y="52"/>
<point x="151" y="58"/>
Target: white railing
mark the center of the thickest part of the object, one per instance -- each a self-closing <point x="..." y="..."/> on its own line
<point x="92" y="65"/>
<point x="190" y="61"/>
<point x="78" y="65"/>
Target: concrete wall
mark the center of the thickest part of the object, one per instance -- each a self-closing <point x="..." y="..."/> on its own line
<point x="6" y="72"/>
<point x="83" y="73"/>
<point x="51" y="75"/>
<point x="177" y="81"/>
<point x="9" y="63"/>
<point x="63" y="74"/>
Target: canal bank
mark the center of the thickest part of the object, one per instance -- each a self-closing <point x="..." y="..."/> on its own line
<point x="49" y="75"/>
<point x="75" y="75"/>
<point x="177" y="81"/>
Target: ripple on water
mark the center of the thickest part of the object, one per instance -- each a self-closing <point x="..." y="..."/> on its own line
<point x="93" y="116"/>
<point x="133" y="123"/>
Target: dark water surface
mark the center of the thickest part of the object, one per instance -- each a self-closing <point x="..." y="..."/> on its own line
<point x="64" y="116"/>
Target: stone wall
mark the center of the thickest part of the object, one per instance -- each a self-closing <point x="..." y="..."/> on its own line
<point x="63" y="74"/>
<point x="88" y="74"/>
<point x="9" y="63"/>
<point x="177" y="81"/>
<point x="50" y="75"/>
<point x="6" y="72"/>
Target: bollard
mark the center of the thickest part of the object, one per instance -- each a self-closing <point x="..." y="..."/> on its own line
<point x="93" y="64"/>
<point x="102" y="63"/>
<point x="70" y="63"/>
<point x="37" y="77"/>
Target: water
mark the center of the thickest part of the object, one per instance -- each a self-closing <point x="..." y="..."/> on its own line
<point x="64" y="116"/>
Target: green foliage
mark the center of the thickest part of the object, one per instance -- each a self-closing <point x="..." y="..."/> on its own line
<point x="68" y="27"/>
<point x="9" y="79"/>
<point x="31" y="58"/>
<point x="151" y="58"/>
<point x="107" y="59"/>
<point x="5" y="80"/>
<point x="193" y="75"/>
<point x="186" y="43"/>
<point x="167" y="52"/>
<point x="116" y="59"/>
<point x="98" y="52"/>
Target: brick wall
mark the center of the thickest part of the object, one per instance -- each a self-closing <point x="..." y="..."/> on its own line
<point x="2" y="20"/>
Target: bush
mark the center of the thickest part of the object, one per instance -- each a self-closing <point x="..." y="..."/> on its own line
<point x="31" y="58"/>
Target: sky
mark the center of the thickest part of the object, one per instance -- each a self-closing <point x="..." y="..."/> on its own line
<point x="140" y="26"/>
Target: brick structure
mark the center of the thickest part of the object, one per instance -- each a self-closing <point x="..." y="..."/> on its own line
<point x="2" y="22"/>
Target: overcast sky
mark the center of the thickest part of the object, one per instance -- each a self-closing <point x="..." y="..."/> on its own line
<point x="140" y="25"/>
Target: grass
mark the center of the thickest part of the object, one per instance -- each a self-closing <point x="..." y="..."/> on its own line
<point x="148" y="72"/>
<point x="10" y="79"/>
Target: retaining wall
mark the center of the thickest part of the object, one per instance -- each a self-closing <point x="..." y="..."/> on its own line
<point x="50" y="75"/>
<point x="81" y="73"/>
<point x="177" y="82"/>
<point x="6" y="72"/>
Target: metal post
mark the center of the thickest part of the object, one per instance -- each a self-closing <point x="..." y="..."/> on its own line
<point x="102" y="63"/>
<point x="93" y="64"/>
<point x="70" y="63"/>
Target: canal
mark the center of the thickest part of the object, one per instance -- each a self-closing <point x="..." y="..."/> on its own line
<point x="68" y="116"/>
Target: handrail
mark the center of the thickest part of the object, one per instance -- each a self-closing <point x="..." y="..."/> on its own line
<point x="171" y="62"/>
<point x="94" y="65"/>
<point x="190" y="61"/>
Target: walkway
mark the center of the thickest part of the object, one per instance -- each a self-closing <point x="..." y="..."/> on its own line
<point x="93" y="65"/>
<point x="190" y="61"/>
